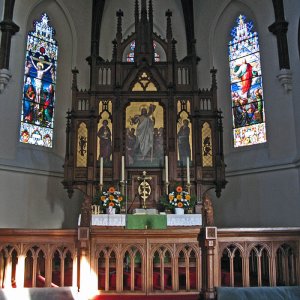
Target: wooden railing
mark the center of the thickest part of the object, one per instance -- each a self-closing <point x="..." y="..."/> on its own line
<point x="258" y="257"/>
<point x="148" y="261"/>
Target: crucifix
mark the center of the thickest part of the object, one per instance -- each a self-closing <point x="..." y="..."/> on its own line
<point x="144" y="188"/>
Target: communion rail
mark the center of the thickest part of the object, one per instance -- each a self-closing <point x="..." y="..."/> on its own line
<point x="148" y="261"/>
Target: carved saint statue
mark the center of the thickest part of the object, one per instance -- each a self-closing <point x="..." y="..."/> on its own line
<point x="86" y="211"/>
<point x="208" y="211"/>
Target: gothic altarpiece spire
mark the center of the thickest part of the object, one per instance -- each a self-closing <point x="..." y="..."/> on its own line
<point x="144" y="108"/>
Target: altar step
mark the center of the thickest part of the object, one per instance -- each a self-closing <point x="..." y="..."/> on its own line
<point x="147" y="297"/>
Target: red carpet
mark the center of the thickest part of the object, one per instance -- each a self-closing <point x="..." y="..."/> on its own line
<point x="149" y="297"/>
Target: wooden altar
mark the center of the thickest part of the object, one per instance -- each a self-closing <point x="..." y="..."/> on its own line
<point x="144" y="115"/>
<point x="145" y="106"/>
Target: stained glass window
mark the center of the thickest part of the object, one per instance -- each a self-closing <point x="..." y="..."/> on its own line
<point x="246" y="85"/>
<point x="130" y="55"/>
<point x="39" y="85"/>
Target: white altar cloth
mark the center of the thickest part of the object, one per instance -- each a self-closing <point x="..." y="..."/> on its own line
<point x="107" y="220"/>
<point x="184" y="220"/>
<point x="120" y="220"/>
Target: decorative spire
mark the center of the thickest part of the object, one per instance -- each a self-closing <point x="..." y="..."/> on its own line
<point x="144" y="12"/>
<point x="114" y="55"/>
<point x="174" y="42"/>
<point x="213" y="72"/>
<point x="136" y="13"/>
<point x="119" y="15"/>
<point x="151" y="15"/>
<point x="169" y="25"/>
<point x="74" y="82"/>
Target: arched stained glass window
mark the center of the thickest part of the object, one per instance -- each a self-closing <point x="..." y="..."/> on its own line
<point x="246" y="85"/>
<point x="39" y="85"/>
<point x="130" y="55"/>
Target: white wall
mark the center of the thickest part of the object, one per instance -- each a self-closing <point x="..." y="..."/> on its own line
<point x="32" y="195"/>
<point x="263" y="181"/>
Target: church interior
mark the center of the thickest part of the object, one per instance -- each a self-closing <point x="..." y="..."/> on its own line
<point x="140" y="156"/>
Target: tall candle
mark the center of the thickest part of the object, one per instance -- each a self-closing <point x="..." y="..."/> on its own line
<point x="188" y="179"/>
<point x="101" y="170"/>
<point x="123" y="169"/>
<point x="166" y="168"/>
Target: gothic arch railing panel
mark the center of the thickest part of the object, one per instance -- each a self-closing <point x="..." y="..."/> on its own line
<point x="286" y="270"/>
<point x="63" y="267"/>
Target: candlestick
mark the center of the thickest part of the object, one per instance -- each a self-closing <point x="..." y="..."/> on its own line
<point x="188" y="179"/>
<point x="123" y="169"/>
<point x="166" y="168"/>
<point x="101" y="173"/>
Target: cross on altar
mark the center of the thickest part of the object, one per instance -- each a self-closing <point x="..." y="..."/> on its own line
<point x="144" y="188"/>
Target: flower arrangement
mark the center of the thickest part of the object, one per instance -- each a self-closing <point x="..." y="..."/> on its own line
<point x="178" y="198"/>
<point x="109" y="198"/>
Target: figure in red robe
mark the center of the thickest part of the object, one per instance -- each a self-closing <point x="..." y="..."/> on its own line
<point x="244" y="72"/>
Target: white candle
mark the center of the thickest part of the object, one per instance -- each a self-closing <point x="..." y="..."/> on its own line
<point x="188" y="179"/>
<point x="166" y="168"/>
<point x="101" y="171"/>
<point x="123" y="169"/>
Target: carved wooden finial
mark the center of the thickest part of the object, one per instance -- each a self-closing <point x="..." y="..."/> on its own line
<point x="144" y="12"/>
<point x="213" y="72"/>
<point x="74" y="82"/>
<point x="136" y="12"/>
<point x="150" y="15"/>
<point x="119" y="15"/>
<point x="169" y="25"/>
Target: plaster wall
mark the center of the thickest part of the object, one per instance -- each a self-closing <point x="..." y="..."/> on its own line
<point x="31" y="193"/>
<point x="256" y="183"/>
<point x="263" y="180"/>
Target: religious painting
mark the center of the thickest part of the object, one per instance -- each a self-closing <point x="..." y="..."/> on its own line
<point x="82" y="138"/>
<point x="184" y="133"/>
<point x="39" y="85"/>
<point x="207" y="155"/>
<point x="144" y="134"/>
<point x="246" y="85"/>
<point x="104" y="133"/>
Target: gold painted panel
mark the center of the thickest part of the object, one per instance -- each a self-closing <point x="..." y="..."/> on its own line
<point x="207" y="159"/>
<point x="82" y="145"/>
<point x="144" y="134"/>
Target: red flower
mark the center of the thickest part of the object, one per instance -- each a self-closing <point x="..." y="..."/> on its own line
<point x="179" y="189"/>
<point x="111" y="189"/>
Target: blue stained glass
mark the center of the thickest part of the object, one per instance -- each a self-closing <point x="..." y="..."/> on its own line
<point x="38" y="101"/>
<point x="246" y="85"/>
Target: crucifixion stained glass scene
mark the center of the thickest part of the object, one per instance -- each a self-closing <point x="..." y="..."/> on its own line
<point x="38" y="101"/>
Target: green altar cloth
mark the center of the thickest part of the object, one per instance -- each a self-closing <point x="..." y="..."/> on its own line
<point x="146" y="222"/>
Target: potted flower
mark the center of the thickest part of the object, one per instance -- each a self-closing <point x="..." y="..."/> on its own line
<point x="179" y="200"/>
<point x="110" y="200"/>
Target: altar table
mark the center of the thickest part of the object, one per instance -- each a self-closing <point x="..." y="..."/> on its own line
<point x="146" y="221"/>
